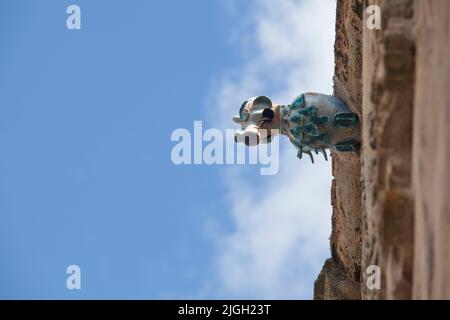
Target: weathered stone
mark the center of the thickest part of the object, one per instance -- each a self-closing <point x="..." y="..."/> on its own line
<point x="402" y="206"/>
<point x="431" y="176"/>
<point x="388" y="210"/>
<point x="333" y="283"/>
<point x="340" y="275"/>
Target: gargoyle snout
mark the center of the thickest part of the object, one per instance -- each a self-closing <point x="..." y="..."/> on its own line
<point x="249" y="136"/>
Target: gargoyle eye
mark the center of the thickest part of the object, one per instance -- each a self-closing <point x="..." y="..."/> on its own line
<point x="243" y="114"/>
<point x="262" y="100"/>
<point x="268" y="114"/>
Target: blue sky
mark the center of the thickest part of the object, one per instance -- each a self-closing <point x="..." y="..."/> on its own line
<point x="86" y="176"/>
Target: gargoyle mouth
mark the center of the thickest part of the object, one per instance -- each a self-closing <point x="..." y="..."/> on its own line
<point x="247" y="140"/>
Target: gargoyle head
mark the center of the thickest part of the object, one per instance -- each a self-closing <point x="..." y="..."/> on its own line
<point x="259" y="119"/>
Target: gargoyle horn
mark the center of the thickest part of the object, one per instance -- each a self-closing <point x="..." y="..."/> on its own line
<point x="237" y="119"/>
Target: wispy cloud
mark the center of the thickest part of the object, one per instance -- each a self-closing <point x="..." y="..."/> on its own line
<point x="282" y="222"/>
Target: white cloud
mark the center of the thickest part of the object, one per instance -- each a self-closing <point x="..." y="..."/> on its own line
<point x="282" y="224"/>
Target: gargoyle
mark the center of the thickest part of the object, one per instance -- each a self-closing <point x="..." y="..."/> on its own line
<point x="313" y="122"/>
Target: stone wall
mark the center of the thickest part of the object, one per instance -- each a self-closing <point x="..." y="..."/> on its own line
<point x="388" y="94"/>
<point x="390" y="202"/>
<point x="431" y="151"/>
<point x="340" y="276"/>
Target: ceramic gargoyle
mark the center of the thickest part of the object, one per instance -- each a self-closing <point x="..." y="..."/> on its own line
<point x="313" y="122"/>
